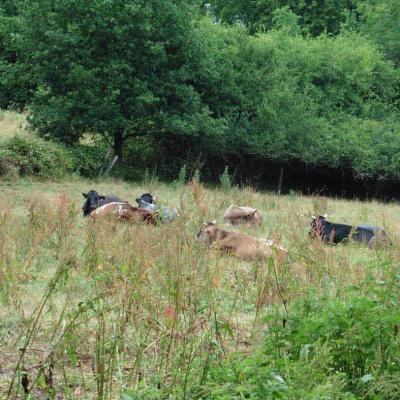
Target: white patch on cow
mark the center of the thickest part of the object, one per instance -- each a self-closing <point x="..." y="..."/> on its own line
<point x="101" y="209"/>
<point x="119" y="210"/>
<point x="271" y="244"/>
<point x="267" y="242"/>
<point x="239" y="210"/>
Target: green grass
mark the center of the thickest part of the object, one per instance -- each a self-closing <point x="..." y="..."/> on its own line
<point x="110" y="309"/>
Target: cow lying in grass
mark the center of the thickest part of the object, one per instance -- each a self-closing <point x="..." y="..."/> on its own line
<point x="235" y="215"/>
<point x="126" y="212"/>
<point x="242" y="246"/>
<point x="336" y="233"/>
<point x="147" y="202"/>
<point x="95" y="200"/>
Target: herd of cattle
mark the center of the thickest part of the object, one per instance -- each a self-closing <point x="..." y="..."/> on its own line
<point x="239" y="244"/>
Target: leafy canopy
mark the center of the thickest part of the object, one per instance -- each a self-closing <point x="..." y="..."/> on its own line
<point x="119" y="68"/>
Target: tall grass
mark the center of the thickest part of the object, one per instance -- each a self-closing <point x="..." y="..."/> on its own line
<point x="109" y="310"/>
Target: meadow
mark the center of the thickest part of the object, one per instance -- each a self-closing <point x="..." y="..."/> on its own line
<point x="111" y="310"/>
<point x="205" y="96"/>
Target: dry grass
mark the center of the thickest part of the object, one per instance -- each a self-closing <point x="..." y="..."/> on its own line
<point x="99" y="309"/>
<point x="11" y="123"/>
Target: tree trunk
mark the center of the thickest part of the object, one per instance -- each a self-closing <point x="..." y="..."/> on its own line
<point x="118" y="145"/>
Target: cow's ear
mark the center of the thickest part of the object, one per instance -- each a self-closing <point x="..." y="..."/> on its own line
<point x="84" y="195"/>
<point x="205" y="223"/>
<point x="102" y="197"/>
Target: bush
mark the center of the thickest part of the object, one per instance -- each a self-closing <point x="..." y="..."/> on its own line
<point x="88" y="162"/>
<point x="225" y="180"/>
<point x="330" y="348"/>
<point x="30" y="155"/>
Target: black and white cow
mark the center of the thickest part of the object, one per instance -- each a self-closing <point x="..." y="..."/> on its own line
<point x="336" y="233"/>
<point x="147" y="202"/>
<point x="95" y="200"/>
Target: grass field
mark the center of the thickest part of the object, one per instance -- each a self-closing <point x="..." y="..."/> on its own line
<point x="112" y="310"/>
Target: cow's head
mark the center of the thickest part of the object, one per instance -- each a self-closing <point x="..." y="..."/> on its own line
<point x="317" y="225"/>
<point x="91" y="202"/>
<point x="208" y="233"/>
<point x="145" y="197"/>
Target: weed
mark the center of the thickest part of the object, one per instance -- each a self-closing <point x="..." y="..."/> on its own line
<point x="225" y="180"/>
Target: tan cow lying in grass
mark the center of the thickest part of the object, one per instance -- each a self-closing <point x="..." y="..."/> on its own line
<point x="235" y="215"/>
<point x="241" y="245"/>
<point x="126" y="212"/>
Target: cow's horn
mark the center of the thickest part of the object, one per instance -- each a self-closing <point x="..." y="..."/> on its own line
<point x="214" y="222"/>
<point x="314" y="217"/>
<point x="325" y="215"/>
<point x="205" y="223"/>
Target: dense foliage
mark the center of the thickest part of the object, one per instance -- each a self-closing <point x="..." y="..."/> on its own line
<point x="381" y="24"/>
<point x="121" y="69"/>
<point x="27" y="155"/>
<point x="23" y="154"/>
<point x="333" y="348"/>
<point x="16" y="84"/>
<point x="315" y="16"/>
<point x="165" y="84"/>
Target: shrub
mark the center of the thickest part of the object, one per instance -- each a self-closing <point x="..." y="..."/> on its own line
<point x="359" y="333"/>
<point x="330" y="348"/>
<point x="225" y="180"/>
<point x="30" y="155"/>
<point x="182" y="177"/>
<point x="87" y="160"/>
<point x="196" y="175"/>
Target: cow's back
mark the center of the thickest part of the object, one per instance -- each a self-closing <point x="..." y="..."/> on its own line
<point x="248" y="247"/>
<point x="370" y="234"/>
<point x="110" y="199"/>
<point x="243" y="214"/>
<point x="335" y="233"/>
<point x="125" y="211"/>
<point x="106" y="209"/>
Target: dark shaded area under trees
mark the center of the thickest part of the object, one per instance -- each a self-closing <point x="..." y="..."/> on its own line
<point x="311" y="86"/>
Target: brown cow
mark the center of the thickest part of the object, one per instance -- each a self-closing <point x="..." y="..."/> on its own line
<point x="243" y="246"/>
<point x="126" y="212"/>
<point x="235" y="215"/>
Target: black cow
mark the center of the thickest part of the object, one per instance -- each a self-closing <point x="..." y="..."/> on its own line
<point x="147" y="202"/>
<point x="144" y="200"/>
<point x="95" y="200"/>
<point x="337" y="233"/>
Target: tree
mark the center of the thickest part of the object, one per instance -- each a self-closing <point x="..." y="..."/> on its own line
<point x="120" y="68"/>
<point x="381" y="22"/>
<point x="320" y="101"/>
<point x="16" y="85"/>
<point x="316" y="16"/>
